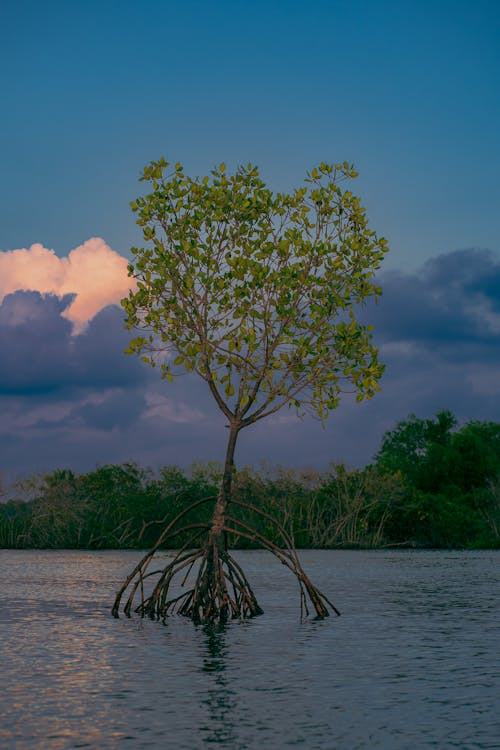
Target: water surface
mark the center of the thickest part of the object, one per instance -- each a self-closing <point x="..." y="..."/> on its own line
<point x="413" y="662"/>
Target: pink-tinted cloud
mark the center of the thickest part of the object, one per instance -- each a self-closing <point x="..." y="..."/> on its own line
<point x="95" y="273"/>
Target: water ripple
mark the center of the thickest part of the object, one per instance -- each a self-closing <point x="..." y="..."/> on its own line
<point x="412" y="663"/>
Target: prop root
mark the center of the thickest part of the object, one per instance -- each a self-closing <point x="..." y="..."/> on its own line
<point x="214" y="586"/>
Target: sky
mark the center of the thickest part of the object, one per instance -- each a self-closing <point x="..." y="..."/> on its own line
<point x="92" y="91"/>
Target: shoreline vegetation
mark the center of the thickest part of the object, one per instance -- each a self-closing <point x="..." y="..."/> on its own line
<point x="431" y="485"/>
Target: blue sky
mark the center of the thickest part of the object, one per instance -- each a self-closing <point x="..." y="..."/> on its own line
<point x="408" y="91"/>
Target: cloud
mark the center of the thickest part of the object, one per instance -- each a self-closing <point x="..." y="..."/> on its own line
<point x="453" y="302"/>
<point x="438" y="333"/>
<point x="159" y="406"/>
<point x="93" y="273"/>
<point x="40" y="354"/>
<point x="75" y="401"/>
<point x="34" y="339"/>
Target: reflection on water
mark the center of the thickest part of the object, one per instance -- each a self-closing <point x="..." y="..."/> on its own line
<point x="221" y="700"/>
<point x="216" y="648"/>
<point x="412" y="663"/>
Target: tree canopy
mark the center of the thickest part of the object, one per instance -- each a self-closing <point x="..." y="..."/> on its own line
<point x="434" y="455"/>
<point x="256" y="291"/>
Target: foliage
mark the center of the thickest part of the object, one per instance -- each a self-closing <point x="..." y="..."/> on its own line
<point x="413" y="446"/>
<point x="111" y="507"/>
<point x="451" y="476"/>
<point x="453" y="500"/>
<point x="256" y="292"/>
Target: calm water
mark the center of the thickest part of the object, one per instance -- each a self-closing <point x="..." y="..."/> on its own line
<point x="412" y="663"/>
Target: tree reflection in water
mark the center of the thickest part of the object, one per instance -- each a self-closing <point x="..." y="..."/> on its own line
<point x="221" y="701"/>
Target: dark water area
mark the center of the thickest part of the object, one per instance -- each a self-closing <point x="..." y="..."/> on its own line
<point x="413" y="662"/>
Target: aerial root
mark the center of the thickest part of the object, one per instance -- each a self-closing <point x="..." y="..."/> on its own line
<point x="220" y="590"/>
<point x="217" y="588"/>
<point x="288" y="556"/>
<point x="138" y="574"/>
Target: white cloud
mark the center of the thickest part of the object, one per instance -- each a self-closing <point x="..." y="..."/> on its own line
<point x="482" y="310"/>
<point x="17" y="420"/>
<point x="92" y="271"/>
<point x="170" y="410"/>
<point x="400" y="347"/>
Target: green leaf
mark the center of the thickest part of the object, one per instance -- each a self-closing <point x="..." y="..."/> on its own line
<point x="255" y="287"/>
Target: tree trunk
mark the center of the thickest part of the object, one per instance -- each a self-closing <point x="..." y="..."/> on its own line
<point x="224" y="495"/>
<point x="220" y="590"/>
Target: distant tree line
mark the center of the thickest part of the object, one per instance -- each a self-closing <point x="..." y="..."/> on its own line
<point x="430" y="485"/>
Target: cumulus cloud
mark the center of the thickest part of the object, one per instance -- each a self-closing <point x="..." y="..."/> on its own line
<point x="39" y="353"/>
<point x="451" y="304"/>
<point x="93" y="273"/>
<point x="438" y="331"/>
<point x="76" y="401"/>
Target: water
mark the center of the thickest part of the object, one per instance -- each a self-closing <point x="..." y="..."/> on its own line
<point x="412" y="663"/>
